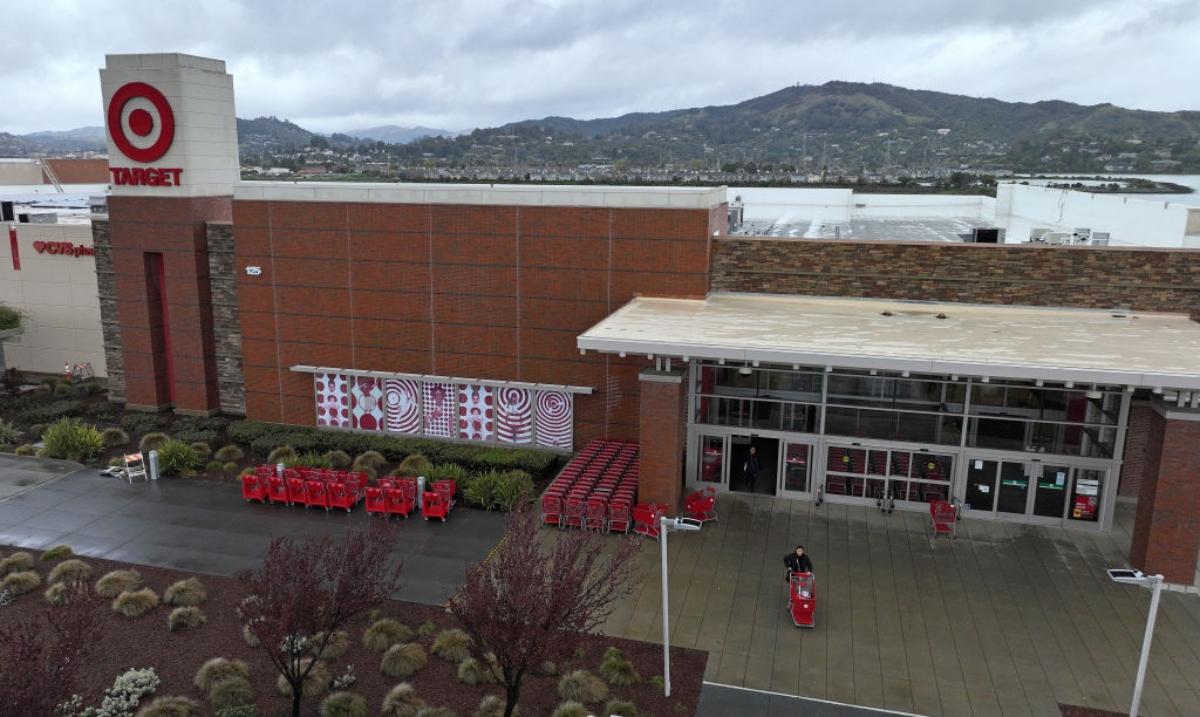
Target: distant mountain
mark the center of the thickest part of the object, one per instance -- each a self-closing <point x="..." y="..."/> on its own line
<point x="852" y="125"/>
<point x="271" y="134"/>
<point x="393" y="134"/>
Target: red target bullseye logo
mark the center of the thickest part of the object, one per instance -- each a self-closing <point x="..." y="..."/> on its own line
<point x="141" y="122"/>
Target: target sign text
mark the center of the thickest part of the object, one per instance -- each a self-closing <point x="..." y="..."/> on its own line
<point x="141" y="124"/>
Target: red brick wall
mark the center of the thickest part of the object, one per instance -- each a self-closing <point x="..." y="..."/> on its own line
<point x="1166" y="531"/>
<point x="494" y="292"/>
<point x="663" y="439"/>
<point x="1134" y="458"/>
<point x="176" y="228"/>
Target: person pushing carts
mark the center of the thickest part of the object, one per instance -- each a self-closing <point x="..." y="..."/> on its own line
<point x="802" y="587"/>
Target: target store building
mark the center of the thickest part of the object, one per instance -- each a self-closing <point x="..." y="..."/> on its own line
<point x="1034" y="384"/>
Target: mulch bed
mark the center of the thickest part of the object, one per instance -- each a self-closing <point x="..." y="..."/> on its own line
<point x="123" y="643"/>
<point x="1076" y="711"/>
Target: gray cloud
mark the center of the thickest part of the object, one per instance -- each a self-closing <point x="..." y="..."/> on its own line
<point x="463" y="63"/>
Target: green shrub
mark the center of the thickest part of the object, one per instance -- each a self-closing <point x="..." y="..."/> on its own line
<point x="25" y="449"/>
<point x="115" y="582"/>
<point x="63" y="389"/>
<point x="70" y="439"/>
<point x="170" y="706"/>
<point x="414" y="465"/>
<point x="338" y="459"/>
<point x="384" y="633"/>
<point x="48" y="413"/>
<point x="135" y="603"/>
<point x="20" y="582"/>
<point x="201" y="449"/>
<point x="102" y="411"/>
<point x="70" y="571"/>
<point x="114" y="437"/>
<point x="186" y="618"/>
<point x="427" y="628"/>
<point x="582" y="686"/>
<point x="9" y="434"/>
<point x="185" y="593"/>
<point x="281" y="454"/>
<point x="19" y="560"/>
<point x="480" y="491"/>
<point x="657" y="682"/>
<point x="369" y="459"/>
<point x="230" y="467"/>
<point x="570" y="708"/>
<point x="199" y="423"/>
<point x="490" y="706"/>
<point x="231" y="691"/>
<point x="215" y="467"/>
<point x="91" y="387"/>
<point x="10" y="318"/>
<point x="229" y="453"/>
<point x="453" y="645"/>
<point x="344" y="704"/>
<point x="245" y="432"/>
<point x="449" y="471"/>
<point x="153" y="442"/>
<point x="217" y="669"/>
<point x="308" y="459"/>
<point x="620" y="707"/>
<point x="142" y="423"/>
<point x="474" y="672"/>
<point x="337" y="646"/>
<point x="315" y="683"/>
<point x="199" y="436"/>
<point x="403" y="660"/>
<point x="513" y="488"/>
<point x="58" y="552"/>
<point x="176" y="458"/>
<point x="616" y="669"/>
<point x="402" y="701"/>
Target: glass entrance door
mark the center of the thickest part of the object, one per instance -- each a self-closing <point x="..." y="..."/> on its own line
<point x="796" y="476"/>
<point x="711" y="460"/>
<point x="1013" y="494"/>
<point x="1050" y="496"/>
<point x="981" y="485"/>
<point x="1055" y="493"/>
<point x="754" y="464"/>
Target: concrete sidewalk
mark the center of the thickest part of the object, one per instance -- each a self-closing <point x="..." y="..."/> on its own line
<point x="1005" y="620"/>
<point x="206" y="527"/>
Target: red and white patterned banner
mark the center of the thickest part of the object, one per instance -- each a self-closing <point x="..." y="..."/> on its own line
<point x="514" y="416"/>
<point x="554" y="418"/>
<point x="367" y="403"/>
<point x="476" y="412"/>
<point x="403" y="400"/>
<point x="333" y="400"/>
<point x="439" y="409"/>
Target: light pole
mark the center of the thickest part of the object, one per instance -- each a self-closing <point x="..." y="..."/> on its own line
<point x="1155" y="583"/>
<point x="666" y="525"/>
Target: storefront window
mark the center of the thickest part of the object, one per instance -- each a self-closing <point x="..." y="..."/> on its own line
<point x="1039" y="437"/>
<point x="1085" y="496"/>
<point x="712" y="458"/>
<point x="893" y="425"/>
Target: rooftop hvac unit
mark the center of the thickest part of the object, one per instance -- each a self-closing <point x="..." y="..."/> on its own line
<point x="1100" y="238"/>
<point x="1036" y="233"/>
<point x="6" y="212"/>
<point x="986" y="235"/>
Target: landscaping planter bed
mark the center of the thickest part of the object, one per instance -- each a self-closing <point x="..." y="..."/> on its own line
<point x="123" y="643"/>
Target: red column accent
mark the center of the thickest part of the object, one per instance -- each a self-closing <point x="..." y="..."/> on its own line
<point x="16" y="249"/>
<point x="160" y="276"/>
<point x="1166" y="530"/>
<point x="663" y="437"/>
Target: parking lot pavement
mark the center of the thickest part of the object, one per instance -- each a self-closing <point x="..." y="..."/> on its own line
<point x="206" y="527"/>
<point x="1006" y="619"/>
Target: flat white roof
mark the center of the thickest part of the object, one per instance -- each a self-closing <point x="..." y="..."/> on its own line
<point x="494" y="194"/>
<point x="1086" y="346"/>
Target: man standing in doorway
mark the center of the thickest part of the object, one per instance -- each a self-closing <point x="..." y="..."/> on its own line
<point x="751" y="468"/>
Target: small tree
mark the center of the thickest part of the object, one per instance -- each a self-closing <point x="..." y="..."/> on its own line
<point x="305" y="592"/>
<point x="44" y="655"/>
<point x="535" y="600"/>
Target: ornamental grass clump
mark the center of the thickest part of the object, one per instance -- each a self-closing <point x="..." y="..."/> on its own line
<point x="281" y="454"/>
<point x="217" y="669"/>
<point x="403" y="660"/>
<point x="70" y="571"/>
<point x="369" y="459"/>
<point x="617" y="670"/>
<point x="58" y="552"/>
<point x="16" y="562"/>
<point x="229" y="692"/>
<point x="20" y="582"/>
<point x="619" y="708"/>
<point x="185" y="593"/>
<point x="414" y="464"/>
<point x="339" y="459"/>
<point x="113" y="583"/>
<point x="426" y="628"/>
<point x="152" y="441"/>
<point x="202" y="449"/>
<point x="344" y="704"/>
<point x="114" y="437"/>
<point x="570" y="708"/>
<point x="384" y="633"/>
<point x="453" y="645"/>
<point x="436" y="712"/>
<point x="491" y="706"/>
<point x="186" y="618"/>
<point x="582" y="686"/>
<point x="474" y="672"/>
<point x="171" y="706"/>
<point x="402" y="701"/>
<point x="336" y="646"/>
<point x="135" y="603"/>
<point x="316" y="682"/>
<point x="229" y="453"/>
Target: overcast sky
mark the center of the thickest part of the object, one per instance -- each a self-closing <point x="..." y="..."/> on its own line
<point x="455" y="64"/>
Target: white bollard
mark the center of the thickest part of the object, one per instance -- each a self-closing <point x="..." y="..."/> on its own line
<point x="152" y="465"/>
<point x="420" y="491"/>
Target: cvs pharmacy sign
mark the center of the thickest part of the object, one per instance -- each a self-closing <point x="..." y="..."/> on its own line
<point x="62" y="248"/>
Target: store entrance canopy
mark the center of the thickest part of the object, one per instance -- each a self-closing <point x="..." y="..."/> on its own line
<point x="1081" y="345"/>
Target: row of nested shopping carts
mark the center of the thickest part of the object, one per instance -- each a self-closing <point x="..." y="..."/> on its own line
<point x="597" y="490"/>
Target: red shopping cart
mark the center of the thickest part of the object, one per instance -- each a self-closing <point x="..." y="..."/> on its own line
<point x="802" y="598"/>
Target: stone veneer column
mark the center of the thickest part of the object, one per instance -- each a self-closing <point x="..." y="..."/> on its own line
<point x="227" y="326"/>
<point x="663" y="437"/>
<point x="1166" y="530"/>
<point x="110" y="321"/>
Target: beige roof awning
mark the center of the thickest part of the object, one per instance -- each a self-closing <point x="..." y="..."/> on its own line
<point x="1053" y="344"/>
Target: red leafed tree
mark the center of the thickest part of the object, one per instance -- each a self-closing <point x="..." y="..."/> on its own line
<point x="304" y="591"/>
<point x="538" y="595"/>
<point x="42" y="657"/>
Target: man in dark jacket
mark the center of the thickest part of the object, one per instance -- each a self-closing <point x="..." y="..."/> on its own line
<point x="797" y="562"/>
<point x="751" y="468"/>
